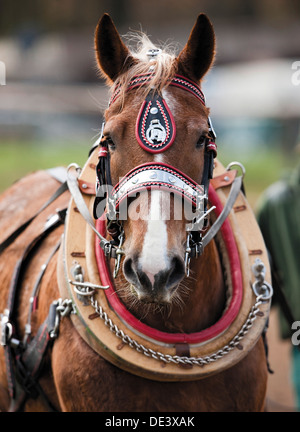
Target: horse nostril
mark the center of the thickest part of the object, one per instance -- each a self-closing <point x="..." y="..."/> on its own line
<point x="129" y="271"/>
<point x="136" y="276"/>
<point x="177" y="272"/>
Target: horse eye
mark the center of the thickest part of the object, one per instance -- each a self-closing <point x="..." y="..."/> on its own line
<point x="201" y="141"/>
<point x="110" y="143"/>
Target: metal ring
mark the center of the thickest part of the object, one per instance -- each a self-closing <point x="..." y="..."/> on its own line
<point x="241" y="166"/>
<point x="89" y="292"/>
<point x="264" y="290"/>
<point x="77" y="168"/>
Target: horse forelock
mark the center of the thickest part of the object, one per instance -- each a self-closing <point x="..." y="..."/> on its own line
<point x="162" y="67"/>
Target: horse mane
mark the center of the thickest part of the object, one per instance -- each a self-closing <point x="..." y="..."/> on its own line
<point x="163" y="66"/>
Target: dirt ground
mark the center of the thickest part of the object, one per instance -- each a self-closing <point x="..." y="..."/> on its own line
<point x="280" y="395"/>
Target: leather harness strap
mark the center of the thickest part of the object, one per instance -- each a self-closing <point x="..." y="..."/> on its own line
<point x="24" y="359"/>
<point x="8" y="241"/>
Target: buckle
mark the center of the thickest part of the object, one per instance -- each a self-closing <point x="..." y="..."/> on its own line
<point x="106" y="246"/>
<point x="194" y="248"/>
<point x="58" y="217"/>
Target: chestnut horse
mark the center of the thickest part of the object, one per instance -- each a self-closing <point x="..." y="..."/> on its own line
<point x="152" y="281"/>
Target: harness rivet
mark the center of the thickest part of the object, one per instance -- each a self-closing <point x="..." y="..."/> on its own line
<point x="226" y="178"/>
<point x="84" y="186"/>
<point x="154" y="110"/>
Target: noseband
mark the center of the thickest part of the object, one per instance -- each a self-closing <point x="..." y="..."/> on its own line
<point x="155" y="132"/>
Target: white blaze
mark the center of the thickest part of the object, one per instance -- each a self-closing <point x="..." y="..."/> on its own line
<point x="159" y="157"/>
<point x="154" y="253"/>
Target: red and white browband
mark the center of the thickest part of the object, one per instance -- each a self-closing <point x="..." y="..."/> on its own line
<point x="155" y="126"/>
<point x="177" y="81"/>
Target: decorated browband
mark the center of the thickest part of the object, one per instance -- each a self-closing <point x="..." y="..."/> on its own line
<point x="155" y="126"/>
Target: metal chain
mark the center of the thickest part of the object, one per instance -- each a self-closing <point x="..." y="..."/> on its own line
<point x="198" y="361"/>
<point x="62" y="309"/>
<point x="261" y="296"/>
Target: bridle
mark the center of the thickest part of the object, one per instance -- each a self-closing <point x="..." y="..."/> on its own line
<point x="155" y="133"/>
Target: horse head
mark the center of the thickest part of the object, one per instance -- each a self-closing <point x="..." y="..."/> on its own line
<point x="156" y="136"/>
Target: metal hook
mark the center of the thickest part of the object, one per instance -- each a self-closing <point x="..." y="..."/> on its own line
<point x="188" y="251"/>
<point x="232" y="164"/>
<point x="77" y="168"/>
<point x="119" y="253"/>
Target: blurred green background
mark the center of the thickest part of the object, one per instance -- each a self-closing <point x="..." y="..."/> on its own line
<point x="51" y="106"/>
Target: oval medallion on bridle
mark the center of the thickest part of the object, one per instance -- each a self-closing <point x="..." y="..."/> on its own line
<point x="155" y="126"/>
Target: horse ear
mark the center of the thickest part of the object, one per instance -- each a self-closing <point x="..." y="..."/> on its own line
<point x="112" y="54"/>
<point x="198" y="54"/>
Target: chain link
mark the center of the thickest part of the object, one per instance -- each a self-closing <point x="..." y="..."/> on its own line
<point x="166" y="358"/>
<point x="63" y="308"/>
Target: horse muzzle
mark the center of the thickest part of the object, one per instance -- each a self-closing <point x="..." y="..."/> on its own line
<point x="156" y="288"/>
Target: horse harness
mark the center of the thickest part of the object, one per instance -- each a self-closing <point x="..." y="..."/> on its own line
<point x="24" y="358"/>
<point x="155" y="132"/>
